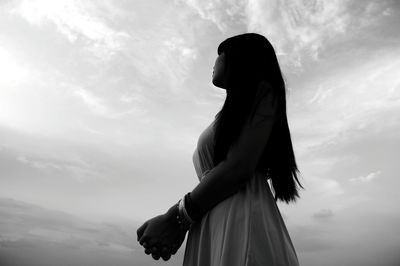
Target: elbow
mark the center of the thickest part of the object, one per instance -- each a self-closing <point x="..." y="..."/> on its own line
<point x="236" y="171"/>
<point x="242" y="172"/>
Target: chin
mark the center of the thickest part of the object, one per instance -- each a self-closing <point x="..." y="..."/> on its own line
<point x="218" y="84"/>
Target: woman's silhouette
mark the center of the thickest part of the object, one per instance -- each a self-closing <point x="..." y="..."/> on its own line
<point x="231" y="215"/>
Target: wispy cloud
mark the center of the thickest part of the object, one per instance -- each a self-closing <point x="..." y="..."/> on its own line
<point x="74" y="19"/>
<point x="366" y="178"/>
<point x="354" y="99"/>
<point x="77" y="169"/>
<point x="325" y="187"/>
<point x="299" y="30"/>
<point x="222" y="14"/>
<point x="302" y="29"/>
<point x="98" y="106"/>
<point x="175" y="59"/>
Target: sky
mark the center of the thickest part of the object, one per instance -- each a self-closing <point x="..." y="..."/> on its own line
<point x="102" y="103"/>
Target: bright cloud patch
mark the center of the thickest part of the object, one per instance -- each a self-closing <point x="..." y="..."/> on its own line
<point x="366" y="178"/>
<point x="74" y="19"/>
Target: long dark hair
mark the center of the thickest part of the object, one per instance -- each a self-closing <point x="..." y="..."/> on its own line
<point x="250" y="59"/>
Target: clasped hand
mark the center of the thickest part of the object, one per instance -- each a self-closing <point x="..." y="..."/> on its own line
<point x="161" y="236"/>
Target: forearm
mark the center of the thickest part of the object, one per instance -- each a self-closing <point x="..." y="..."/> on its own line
<point x="221" y="182"/>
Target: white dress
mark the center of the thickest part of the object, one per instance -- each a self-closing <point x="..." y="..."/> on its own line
<point x="245" y="229"/>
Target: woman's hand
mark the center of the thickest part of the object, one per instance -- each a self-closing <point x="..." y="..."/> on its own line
<point x="163" y="251"/>
<point x="161" y="236"/>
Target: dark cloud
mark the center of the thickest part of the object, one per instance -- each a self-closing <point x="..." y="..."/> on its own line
<point x="32" y="235"/>
<point x="323" y="214"/>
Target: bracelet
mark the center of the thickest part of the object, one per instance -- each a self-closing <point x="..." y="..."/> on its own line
<point x="184" y="212"/>
<point x="182" y="220"/>
<point x="186" y="206"/>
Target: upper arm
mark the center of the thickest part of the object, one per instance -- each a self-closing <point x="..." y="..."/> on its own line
<point x="246" y="151"/>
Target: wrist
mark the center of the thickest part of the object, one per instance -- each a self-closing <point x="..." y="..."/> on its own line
<point x="185" y="212"/>
<point x="174" y="215"/>
<point x="173" y="211"/>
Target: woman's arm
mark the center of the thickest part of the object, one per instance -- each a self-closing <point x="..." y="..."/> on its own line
<point x="221" y="182"/>
<point x="232" y="173"/>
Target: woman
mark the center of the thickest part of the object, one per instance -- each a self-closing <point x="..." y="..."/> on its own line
<point x="231" y="215"/>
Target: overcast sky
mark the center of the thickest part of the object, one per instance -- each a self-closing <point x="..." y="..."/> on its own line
<point x="102" y="104"/>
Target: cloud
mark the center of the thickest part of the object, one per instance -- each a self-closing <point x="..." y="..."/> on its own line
<point x="32" y="235"/>
<point x="366" y="178"/>
<point x="220" y="13"/>
<point x="346" y="241"/>
<point x="98" y="106"/>
<point x="321" y="95"/>
<point x="318" y="177"/>
<point x="343" y="109"/>
<point x="178" y="45"/>
<point x="323" y="214"/>
<point x="302" y="29"/>
<point x="175" y="59"/>
<point x="298" y="29"/>
<point x="332" y="114"/>
<point x="22" y="220"/>
<point x="93" y="102"/>
<point x="327" y="187"/>
<point x="74" y="19"/>
<point x="77" y="169"/>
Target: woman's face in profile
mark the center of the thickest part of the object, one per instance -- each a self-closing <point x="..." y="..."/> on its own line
<point x="218" y="73"/>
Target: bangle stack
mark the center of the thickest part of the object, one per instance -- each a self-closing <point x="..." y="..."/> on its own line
<point x="183" y="218"/>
